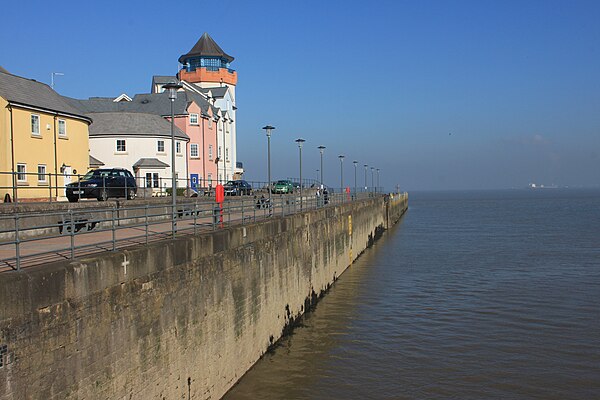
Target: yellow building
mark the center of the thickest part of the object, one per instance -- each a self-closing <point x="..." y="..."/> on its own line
<point x="43" y="140"/>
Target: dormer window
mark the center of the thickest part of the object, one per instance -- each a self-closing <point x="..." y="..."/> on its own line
<point x="193" y="119"/>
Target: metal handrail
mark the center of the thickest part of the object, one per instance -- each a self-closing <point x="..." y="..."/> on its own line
<point x="27" y="238"/>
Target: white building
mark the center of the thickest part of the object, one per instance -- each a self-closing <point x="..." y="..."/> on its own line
<point x="141" y="143"/>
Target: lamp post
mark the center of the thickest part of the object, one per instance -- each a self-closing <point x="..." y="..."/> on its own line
<point x="341" y="157"/>
<point x="172" y="88"/>
<point x="366" y="177"/>
<point x="224" y="158"/>
<point x="268" y="129"/>
<point x="378" y="177"/>
<point x="372" y="178"/>
<point x="300" y="141"/>
<point x="355" y="164"/>
<point x="317" y="174"/>
<point x="321" y="149"/>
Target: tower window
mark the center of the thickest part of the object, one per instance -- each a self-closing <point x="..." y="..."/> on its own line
<point x="62" y="127"/>
<point x="121" y="145"/>
<point x="194" y="119"/>
<point x="160" y="146"/>
<point x="194" y="150"/>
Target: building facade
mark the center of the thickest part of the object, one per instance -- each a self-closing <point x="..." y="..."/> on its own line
<point x="44" y="140"/>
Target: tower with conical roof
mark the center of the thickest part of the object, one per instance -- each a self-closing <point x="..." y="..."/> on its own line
<point x="207" y="65"/>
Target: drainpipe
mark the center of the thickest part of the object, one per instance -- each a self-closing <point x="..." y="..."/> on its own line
<point x="12" y="154"/>
<point x="55" y="159"/>
<point x="203" y="155"/>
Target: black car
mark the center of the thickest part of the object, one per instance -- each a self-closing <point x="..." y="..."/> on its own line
<point x="101" y="184"/>
<point x="237" y="188"/>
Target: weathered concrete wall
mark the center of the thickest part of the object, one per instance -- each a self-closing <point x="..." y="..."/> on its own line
<point x="182" y="319"/>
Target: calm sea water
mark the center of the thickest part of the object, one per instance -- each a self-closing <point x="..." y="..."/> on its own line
<point x="475" y="295"/>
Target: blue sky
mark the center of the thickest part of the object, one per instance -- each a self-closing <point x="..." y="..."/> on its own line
<point x="437" y="94"/>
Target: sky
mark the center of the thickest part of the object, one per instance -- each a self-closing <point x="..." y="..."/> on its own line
<point x="438" y="95"/>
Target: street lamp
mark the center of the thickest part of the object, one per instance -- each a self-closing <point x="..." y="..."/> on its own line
<point x="317" y="174"/>
<point x="268" y="129"/>
<point x="373" y="179"/>
<point x="366" y="177"/>
<point x="300" y="141"/>
<point x="341" y="157"/>
<point x="355" y="164"/>
<point x="377" y="177"/>
<point x="321" y="148"/>
<point x="172" y="89"/>
<point x="224" y="158"/>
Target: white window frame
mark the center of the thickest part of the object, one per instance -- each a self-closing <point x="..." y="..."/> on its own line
<point x="226" y="154"/>
<point x="210" y="151"/>
<point x="194" y="150"/>
<point x="178" y="147"/>
<point x="193" y="119"/>
<point x="42" y="173"/>
<point x="219" y="151"/>
<point x="64" y="124"/>
<point x="35" y="117"/>
<point x="124" y="146"/>
<point x="158" y="146"/>
<point x="22" y="175"/>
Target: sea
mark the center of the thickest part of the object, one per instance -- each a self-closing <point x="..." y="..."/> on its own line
<point x="472" y="295"/>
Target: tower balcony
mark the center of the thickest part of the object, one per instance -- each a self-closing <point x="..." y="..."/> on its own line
<point x="210" y="74"/>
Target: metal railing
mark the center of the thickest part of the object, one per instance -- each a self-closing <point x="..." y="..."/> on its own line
<point x="63" y="231"/>
<point x="18" y="187"/>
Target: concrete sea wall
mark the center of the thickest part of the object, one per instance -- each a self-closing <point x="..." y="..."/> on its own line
<point x="181" y="319"/>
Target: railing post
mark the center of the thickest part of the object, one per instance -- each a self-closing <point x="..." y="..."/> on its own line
<point x="17" y="242"/>
<point x="72" y="223"/>
<point x="114" y="232"/>
<point x="195" y="216"/>
<point x="146" y="215"/>
<point x="50" y="187"/>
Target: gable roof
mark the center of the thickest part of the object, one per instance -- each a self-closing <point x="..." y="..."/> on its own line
<point x="206" y="47"/>
<point x="29" y="93"/>
<point x="132" y="124"/>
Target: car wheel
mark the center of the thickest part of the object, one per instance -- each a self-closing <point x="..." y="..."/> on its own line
<point x="103" y="195"/>
<point x="72" y="199"/>
<point x="130" y="194"/>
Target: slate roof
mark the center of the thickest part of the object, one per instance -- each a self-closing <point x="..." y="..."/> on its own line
<point x="27" y="92"/>
<point x="148" y="103"/>
<point x="132" y="124"/>
<point x="206" y="46"/>
<point x="217" y="92"/>
<point x="164" y="79"/>
<point x="3" y="70"/>
<point x="149" y="163"/>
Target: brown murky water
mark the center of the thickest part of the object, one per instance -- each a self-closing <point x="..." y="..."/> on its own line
<point x="481" y="295"/>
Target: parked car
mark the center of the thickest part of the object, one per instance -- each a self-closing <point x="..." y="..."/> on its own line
<point x="101" y="184"/>
<point x="283" y="186"/>
<point x="237" y="188"/>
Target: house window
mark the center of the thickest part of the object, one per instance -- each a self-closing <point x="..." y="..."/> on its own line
<point x="121" y="145"/>
<point x="152" y="180"/>
<point x="62" y="127"/>
<point x="194" y="119"/>
<point x="219" y="155"/>
<point x="35" y="124"/>
<point x="227" y="126"/>
<point x="209" y="123"/>
<point x="160" y="146"/>
<point x="21" y="173"/>
<point x="210" y="152"/>
<point x="194" y="150"/>
<point x="227" y="154"/>
<point x="209" y="179"/>
<point x="221" y="126"/>
<point x="42" y="173"/>
<point x="178" y="147"/>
